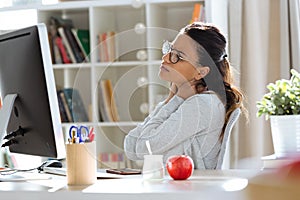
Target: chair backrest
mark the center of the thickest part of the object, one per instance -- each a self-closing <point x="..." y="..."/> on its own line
<point x="231" y="122"/>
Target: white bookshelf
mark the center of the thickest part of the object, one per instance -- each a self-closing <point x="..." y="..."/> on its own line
<point x="162" y="19"/>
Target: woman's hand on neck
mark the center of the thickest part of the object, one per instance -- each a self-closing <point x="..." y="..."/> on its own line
<point x="183" y="90"/>
<point x="173" y="90"/>
<point x="186" y="89"/>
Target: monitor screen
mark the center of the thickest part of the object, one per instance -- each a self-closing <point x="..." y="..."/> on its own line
<point x="28" y="92"/>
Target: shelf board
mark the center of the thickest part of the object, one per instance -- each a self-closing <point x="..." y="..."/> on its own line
<point x="68" y="5"/>
<point x="126" y="63"/>
<point x="174" y="3"/>
<point x="105" y="64"/>
<point x="72" y="66"/>
<point x="90" y="3"/>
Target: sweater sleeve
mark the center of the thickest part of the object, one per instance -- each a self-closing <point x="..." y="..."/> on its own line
<point x="174" y="123"/>
<point x="130" y="141"/>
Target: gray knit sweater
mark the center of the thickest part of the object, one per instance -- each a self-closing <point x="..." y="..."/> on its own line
<point x="191" y="127"/>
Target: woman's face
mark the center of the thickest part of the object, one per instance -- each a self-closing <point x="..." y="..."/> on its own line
<point x="185" y="69"/>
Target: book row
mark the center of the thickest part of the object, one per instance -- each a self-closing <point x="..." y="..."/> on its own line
<point x="68" y="44"/>
<point x="72" y="108"/>
<point x="113" y="160"/>
<point x="71" y="45"/>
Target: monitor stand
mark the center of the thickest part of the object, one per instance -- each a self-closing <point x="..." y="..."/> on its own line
<point x="5" y="113"/>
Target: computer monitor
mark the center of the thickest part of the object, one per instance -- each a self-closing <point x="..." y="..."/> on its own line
<point x="29" y="118"/>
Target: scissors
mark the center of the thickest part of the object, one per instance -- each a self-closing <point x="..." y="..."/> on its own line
<point x="80" y="132"/>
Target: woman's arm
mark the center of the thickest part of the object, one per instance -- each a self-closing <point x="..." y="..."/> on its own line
<point x="174" y="123"/>
<point x="131" y="138"/>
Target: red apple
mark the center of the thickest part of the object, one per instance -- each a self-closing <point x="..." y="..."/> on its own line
<point x="180" y="167"/>
<point x="291" y="170"/>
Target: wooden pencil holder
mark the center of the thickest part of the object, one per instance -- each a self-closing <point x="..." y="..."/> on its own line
<point x="81" y="163"/>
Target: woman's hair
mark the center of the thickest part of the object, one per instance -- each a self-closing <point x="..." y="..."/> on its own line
<point x="212" y="53"/>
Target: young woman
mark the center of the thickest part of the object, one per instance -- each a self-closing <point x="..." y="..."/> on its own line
<point x="192" y="119"/>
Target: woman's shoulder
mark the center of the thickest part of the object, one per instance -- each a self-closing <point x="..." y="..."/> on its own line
<point x="205" y="105"/>
<point x="206" y="101"/>
<point x="207" y="98"/>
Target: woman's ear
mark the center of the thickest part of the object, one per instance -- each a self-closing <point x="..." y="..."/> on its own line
<point x="202" y="72"/>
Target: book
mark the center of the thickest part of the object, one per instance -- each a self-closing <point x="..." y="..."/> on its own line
<point x="107" y="46"/>
<point x="62" y="50"/>
<point x="107" y="102"/>
<point x="62" y="110"/>
<point x="83" y="39"/>
<point x="78" y="54"/>
<point x="198" y="13"/>
<point x="66" y="43"/>
<point x="112" y="101"/>
<point x="202" y="16"/>
<point x="273" y="162"/>
<point x="103" y="51"/>
<point x="65" y="106"/>
<point x="75" y="105"/>
<point x="104" y="108"/>
<point x="51" y="45"/>
<point x="57" y="55"/>
<point x="110" y="40"/>
<point x="52" y="34"/>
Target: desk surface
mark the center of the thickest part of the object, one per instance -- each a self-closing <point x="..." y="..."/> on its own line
<point x="204" y="184"/>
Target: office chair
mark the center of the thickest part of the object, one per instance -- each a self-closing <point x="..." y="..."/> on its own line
<point x="231" y="122"/>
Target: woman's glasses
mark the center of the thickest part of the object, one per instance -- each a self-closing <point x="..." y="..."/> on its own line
<point x="174" y="56"/>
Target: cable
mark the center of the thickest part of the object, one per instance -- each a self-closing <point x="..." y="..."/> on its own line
<point x="10" y="142"/>
<point x="16" y="133"/>
<point x="13" y="171"/>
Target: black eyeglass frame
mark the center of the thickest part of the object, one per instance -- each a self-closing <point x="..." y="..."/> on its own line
<point x="167" y="49"/>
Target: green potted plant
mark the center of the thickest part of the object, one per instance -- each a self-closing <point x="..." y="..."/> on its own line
<point x="282" y="106"/>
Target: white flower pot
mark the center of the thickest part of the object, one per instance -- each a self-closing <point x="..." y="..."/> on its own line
<point x="286" y="134"/>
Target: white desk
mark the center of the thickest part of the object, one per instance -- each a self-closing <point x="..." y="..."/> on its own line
<point x="202" y="185"/>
